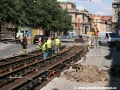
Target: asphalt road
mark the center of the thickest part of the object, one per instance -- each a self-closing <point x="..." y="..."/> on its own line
<point x="110" y="53"/>
<point x="10" y="49"/>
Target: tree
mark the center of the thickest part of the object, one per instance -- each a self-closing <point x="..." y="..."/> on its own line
<point x="45" y="13"/>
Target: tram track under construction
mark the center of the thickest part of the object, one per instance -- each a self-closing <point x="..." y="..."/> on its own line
<point x="31" y="72"/>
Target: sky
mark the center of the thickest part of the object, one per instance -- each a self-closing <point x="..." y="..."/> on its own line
<point x="98" y="7"/>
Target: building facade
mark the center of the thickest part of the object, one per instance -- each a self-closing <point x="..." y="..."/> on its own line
<point x="86" y="20"/>
<point x="103" y="23"/>
<point x="80" y="19"/>
<point x="115" y="14"/>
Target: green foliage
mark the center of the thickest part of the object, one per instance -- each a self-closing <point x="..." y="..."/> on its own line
<point x="34" y="13"/>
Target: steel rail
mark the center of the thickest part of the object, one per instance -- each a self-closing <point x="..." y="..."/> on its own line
<point x="19" y="62"/>
<point x="41" y="77"/>
<point x="41" y="64"/>
<point x="27" y="68"/>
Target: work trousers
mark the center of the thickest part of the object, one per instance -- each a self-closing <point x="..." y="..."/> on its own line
<point x="57" y="49"/>
<point x="45" y="54"/>
<point x="49" y="51"/>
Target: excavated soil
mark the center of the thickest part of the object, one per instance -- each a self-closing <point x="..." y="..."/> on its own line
<point x="86" y="73"/>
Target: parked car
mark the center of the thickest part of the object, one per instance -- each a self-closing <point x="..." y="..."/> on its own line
<point x="37" y="37"/>
<point x="108" y="38"/>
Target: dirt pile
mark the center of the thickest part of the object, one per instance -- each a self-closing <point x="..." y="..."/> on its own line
<point x="88" y="73"/>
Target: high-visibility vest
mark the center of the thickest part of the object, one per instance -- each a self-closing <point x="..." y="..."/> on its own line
<point x="40" y="46"/>
<point x="57" y="41"/>
<point x="44" y="47"/>
<point x="17" y="36"/>
<point x="49" y="43"/>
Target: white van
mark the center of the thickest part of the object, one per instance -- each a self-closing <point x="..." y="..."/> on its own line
<point x="108" y="38"/>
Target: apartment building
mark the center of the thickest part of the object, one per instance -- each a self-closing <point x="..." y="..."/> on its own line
<point x="83" y="21"/>
<point x="103" y="23"/>
<point x="80" y="19"/>
<point x="115" y="14"/>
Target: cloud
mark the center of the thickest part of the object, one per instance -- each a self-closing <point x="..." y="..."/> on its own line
<point x="89" y="0"/>
<point x="100" y="13"/>
<point x="95" y="6"/>
<point x="95" y="0"/>
<point x="107" y="8"/>
<point x="80" y="7"/>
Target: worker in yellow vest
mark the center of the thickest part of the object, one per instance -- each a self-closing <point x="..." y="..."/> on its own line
<point x="44" y="49"/>
<point x="49" y="46"/>
<point x="57" y="45"/>
<point x="40" y="46"/>
<point x="18" y="39"/>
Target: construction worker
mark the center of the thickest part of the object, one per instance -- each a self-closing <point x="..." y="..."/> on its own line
<point x="57" y="45"/>
<point x="24" y="45"/>
<point x="18" y="39"/>
<point x="18" y="36"/>
<point x="40" y="44"/>
<point x="44" y="49"/>
<point x="49" y="46"/>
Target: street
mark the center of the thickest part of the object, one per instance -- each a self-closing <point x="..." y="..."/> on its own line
<point x="10" y="49"/>
<point x="102" y="56"/>
<point x="73" y="38"/>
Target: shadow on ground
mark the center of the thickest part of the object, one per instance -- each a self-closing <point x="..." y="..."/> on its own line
<point x="114" y="70"/>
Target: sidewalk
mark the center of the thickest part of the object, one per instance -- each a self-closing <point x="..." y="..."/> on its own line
<point x="98" y="57"/>
<point x="8" y="50"/>
<point x="102" y="58"/>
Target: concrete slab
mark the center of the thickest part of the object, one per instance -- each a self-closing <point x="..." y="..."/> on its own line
<point x="64" y="84"/>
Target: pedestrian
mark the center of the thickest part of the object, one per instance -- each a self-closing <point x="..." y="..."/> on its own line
<point x="24" y="45"/>
<point x="44" y="49"/>
<point x="57" y="45"/>
<point x="49" y="46"/>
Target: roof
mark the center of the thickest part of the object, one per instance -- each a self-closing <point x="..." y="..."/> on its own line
<point x="96" y="16"/>
<point x="104" y="18"/>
